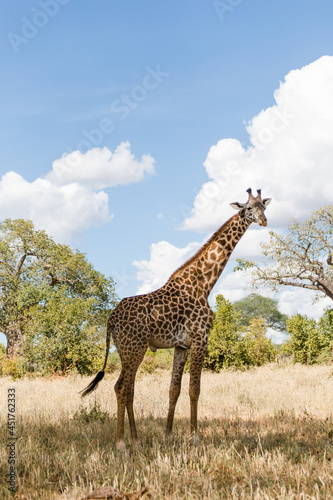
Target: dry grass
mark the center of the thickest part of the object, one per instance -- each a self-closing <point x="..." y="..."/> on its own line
<point x="266" y="434"/>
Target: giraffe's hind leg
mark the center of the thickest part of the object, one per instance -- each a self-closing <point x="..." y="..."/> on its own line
<point x="124" y="390"/>
<point x="131" y="419"/>
<point x="179" y="360"/>
<point x="197" y="359"/>
<point x="121" y="406"/>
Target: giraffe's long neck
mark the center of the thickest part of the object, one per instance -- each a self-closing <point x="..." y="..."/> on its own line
<point x="204" y="268"/>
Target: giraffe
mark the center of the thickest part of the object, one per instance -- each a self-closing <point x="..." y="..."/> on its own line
<point x="178" y="316"/>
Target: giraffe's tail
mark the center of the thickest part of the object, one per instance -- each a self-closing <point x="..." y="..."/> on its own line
<point x="94" y="383"/>
<point x="92" y="386"/>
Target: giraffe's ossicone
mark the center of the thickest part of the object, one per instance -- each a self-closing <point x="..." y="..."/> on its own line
<point x="178" y="316"/>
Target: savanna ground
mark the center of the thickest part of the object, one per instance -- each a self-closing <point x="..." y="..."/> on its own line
<point x="266" y="433"/>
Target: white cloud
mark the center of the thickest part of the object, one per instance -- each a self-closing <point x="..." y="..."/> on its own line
<point x="289" y="156"/>
<point x="165" y="258"/>
<point x="69" y="199"/>
<point x="99" y="168"/>
<point x="61" y="210"/>
<point x="249" y="246"/>
<point x="294" y="301"/>
<point x="233" y="286"/>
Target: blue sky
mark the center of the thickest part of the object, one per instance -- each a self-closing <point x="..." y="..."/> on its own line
<point x="172" y="78"/>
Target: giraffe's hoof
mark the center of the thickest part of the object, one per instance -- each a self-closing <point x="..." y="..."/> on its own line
<point x="121" y="446"/>
<point x="195" y="441"/>
<point x="136" y="444"/>
<point x="169" y="437"/>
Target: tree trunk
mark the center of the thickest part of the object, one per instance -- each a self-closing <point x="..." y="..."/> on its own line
<point x="15" y="340"/>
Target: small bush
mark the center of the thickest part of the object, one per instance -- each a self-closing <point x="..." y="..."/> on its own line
<point x="13" y="367"/>
<point x="310" y="341"/>
<point x="92" y="414"/>
<point x="257" y="348"/>
<point x="161" y="359"/>
<point x="114" y="363"/>
<point x="224" y="337"/>
<point x="325" y="357"/>
<point x="149" y="363"/>
<point x="2" y="357"/>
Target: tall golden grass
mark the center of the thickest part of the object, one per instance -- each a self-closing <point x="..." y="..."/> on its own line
<point x="266" y="433"/>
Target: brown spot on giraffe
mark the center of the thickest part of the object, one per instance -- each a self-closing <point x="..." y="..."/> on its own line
<point x="178" y="316"/>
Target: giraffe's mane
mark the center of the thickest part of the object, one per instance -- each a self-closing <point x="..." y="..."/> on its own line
<point x="204" y="247"/>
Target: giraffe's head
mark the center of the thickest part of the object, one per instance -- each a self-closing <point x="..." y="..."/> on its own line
<point x="254" y="208"/>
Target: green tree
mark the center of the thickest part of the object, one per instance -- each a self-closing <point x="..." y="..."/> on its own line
<point x="65" y="334"/>
<point x="304" y="343"/>
<point x="222" y="350"/>
<point x="256" y="306"/>
<point x="325" y="330"/>
<point x="2" y="357"/>
<point x="35" y="274"/>
<point x="303" y="257"/>
<point x="257" y="349"/>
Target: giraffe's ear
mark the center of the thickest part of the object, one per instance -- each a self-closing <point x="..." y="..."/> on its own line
<point x="266" y="201"/>
<point x="237" y="206"/>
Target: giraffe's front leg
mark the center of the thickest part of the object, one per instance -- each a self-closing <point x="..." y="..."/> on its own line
<point x="179" y="360"/>
<point x="198" y="352"/>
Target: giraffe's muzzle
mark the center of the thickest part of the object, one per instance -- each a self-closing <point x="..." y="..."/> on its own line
<point x="262" y="221"/>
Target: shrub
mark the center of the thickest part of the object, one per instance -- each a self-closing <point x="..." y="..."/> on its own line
<point x="162" y="359"/>
<point x="224" y="337"/>
<point x="257" y="348"/>
<point x="229" y="346"/>
<point x="66" y="347"/>
<point x="114" y="363"/>
<point x="2" y="357"/>
<point x="13" y="367"/>
<point x="92" y="414"/>
<point x="310" y="342"/>
<point x="325" y="329"/>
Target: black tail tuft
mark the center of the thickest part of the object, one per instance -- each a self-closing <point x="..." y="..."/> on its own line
<point x="92" y="386"/>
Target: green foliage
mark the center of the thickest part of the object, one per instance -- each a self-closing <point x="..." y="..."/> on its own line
<point x="257" y="349"/>
<point x="243" y="265"/>
<point x="230" y="346"/>
<point x="310" y="342"/>
<point x="255" y="305"/>
<point x="13" y="367"/>
<point x="94" y="413"/>
<point x="299" y="328"/>
<point x="54" y="304"/>
<point x="63" y="336"/>
<point x="114" y="363"/>
<point x="2" y="357"/>
<point x="224" y="337"/>
<point x="325" y="330"/>
<point x="161" y="359"/>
